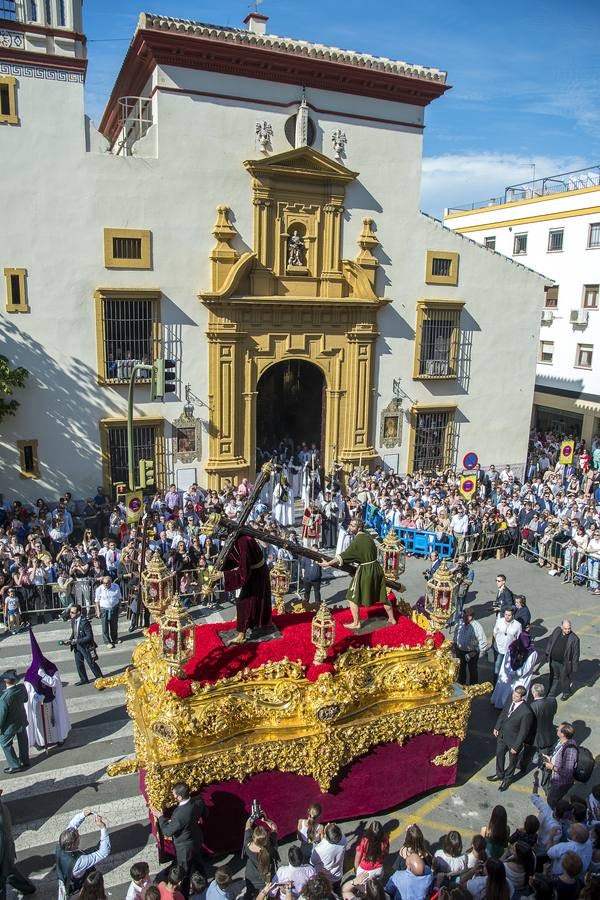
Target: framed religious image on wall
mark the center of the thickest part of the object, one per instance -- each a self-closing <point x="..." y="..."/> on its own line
<point x="391" y="425"/>
<point x="186" y="439"/>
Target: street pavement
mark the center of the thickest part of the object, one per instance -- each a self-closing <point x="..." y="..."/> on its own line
<point x="44" y="798"/>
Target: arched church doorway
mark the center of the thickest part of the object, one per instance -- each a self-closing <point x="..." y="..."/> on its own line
<point x="290" y="406"/>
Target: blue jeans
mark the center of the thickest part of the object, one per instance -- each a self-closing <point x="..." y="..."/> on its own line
<point x="593" y="565"/>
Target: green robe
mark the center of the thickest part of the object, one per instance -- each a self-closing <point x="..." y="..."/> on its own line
<point x="368" y="585"/>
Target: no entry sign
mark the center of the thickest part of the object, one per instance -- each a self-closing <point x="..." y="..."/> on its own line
<point x="470" y="460"/>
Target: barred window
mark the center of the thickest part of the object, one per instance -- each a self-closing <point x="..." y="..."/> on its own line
<point x="520" y="244"/>
<point x="437" y="340"/>
<point x="555" y="239"/>
<point x="127" y="248"/>
<point x="432" y="440"/>
<point x="441" y="267"/>
<point x="594" y="235"/>
<point x="128" y="327"/>
<point x="146" y="445"/>
<point x="490" y="242"/>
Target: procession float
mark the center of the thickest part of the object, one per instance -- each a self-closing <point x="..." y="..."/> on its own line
<point x="359" y="722"/>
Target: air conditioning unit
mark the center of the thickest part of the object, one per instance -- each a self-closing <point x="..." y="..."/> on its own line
<point x="547" y="316"/>
<point x="579" y="317"/>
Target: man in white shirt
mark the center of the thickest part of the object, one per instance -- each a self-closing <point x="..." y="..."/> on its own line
<point x="108" y="599"/>
<point x="71" y="864"/>
<point x="328" y="855"/>
<point x="460" y="525"/>
<point x="506" y="630"/>
<point x="579" y="843"/>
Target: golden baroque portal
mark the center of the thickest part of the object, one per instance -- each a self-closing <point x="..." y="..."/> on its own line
<point x="292" y="297"/>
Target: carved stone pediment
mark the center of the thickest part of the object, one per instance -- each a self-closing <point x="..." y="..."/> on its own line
<point x="300" y="162"/>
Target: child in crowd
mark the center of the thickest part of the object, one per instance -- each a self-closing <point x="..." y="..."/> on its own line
<point x="198" y="883"/>
<point x="451" y="859"/>
<point x="140" y="880"/>
<point x="528" y="834"/>
<point x="222" y="887"/>
<point x="310" y="830"/>
<point x="12" y="611"/>
<point x="168" y="890"/>
<point x="476" y="855"/>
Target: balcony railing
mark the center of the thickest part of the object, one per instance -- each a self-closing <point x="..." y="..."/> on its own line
<point x="539" y="187"/>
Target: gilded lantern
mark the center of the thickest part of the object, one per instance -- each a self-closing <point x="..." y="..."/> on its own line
<point x="440" y="599"/>
<point x="322" y="633"/>
<point x="157" y="586"/>
<point x="391" y="554"/>
<point x="176" y="636"/>
<point x="280" y="583"/>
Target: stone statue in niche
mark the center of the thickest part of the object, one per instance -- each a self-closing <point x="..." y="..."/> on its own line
<point x="264" y="133"/>
<point x="296" y="250"/>
<point x="339" y="141"/>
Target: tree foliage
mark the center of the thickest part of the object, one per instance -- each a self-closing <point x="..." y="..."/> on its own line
<point x="9" y="380"/>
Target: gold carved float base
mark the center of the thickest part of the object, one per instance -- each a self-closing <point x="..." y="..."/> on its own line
<point x="273" y="717"/>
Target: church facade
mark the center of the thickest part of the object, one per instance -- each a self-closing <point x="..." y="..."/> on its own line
<point x="248" y="208"/>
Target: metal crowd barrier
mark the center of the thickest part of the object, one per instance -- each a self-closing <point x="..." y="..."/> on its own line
<point x="416" y="542"/>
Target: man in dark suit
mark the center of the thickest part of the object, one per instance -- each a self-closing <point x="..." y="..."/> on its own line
<point x="562" y="654"/>
<point x="13" y="723"/>
<point x="504" y="596"/>
<point x="513" y="727"/>
<point x="312" y="575"/>
<point x="184" y="827"/>
<point x="543" y="731"/>
<point x="82" y="644"/>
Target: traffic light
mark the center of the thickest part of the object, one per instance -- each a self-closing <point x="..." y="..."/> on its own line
<point x="120" y="489"/>
<point x="147" y="477"/>
<point x="163" y="378"/>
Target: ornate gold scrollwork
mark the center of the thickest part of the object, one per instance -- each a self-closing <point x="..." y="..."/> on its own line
<point x="448" y="758"/>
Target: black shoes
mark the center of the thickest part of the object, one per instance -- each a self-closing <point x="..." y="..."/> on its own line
<point x="565" y="696"/>
<point x="494" y="778"/>
<point x="80" y="683"/>
<point x="504" y="786"/>
<point x="10" y="771"/>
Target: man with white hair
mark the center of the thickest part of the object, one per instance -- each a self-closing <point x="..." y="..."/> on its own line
<point x="562" y="655"/>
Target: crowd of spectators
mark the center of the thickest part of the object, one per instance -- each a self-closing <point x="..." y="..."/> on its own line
<point x="553" y="854"/>
<point x="55" y="553"/>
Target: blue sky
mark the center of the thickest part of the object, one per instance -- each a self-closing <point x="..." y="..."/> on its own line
<point x="525" y="75"/>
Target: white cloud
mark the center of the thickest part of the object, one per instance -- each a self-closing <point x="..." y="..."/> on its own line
<point x="458" y="179"/>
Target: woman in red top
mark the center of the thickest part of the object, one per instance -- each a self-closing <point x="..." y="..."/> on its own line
<point x="369" y="857"/>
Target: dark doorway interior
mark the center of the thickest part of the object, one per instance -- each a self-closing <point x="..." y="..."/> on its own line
<point x="290" y="404"/>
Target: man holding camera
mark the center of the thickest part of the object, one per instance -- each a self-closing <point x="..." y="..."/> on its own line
<point x="83" y="645"/>
<point x="464" y="575"/>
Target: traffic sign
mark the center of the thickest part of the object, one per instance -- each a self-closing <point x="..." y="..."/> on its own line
<point x="468" y="486"/>
<point x="470" y="460"/>
<point x="135" y="506"/>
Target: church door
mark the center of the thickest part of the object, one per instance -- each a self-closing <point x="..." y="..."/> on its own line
<point x="290" y="407"/>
